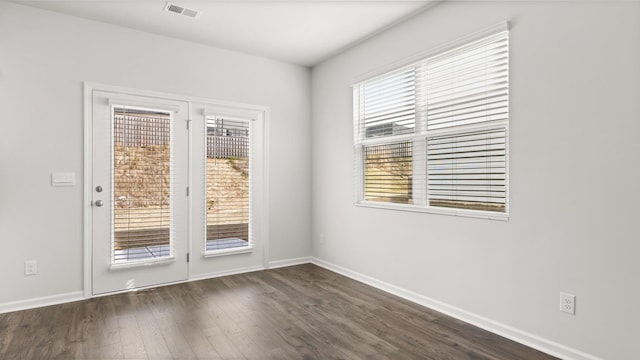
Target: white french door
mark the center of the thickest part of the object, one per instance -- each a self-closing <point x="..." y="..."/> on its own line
<point x="229" y="192"/>
<point x="139" y="174"/>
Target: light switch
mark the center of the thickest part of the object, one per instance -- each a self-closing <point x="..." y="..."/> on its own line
<point x="63" y="179"/>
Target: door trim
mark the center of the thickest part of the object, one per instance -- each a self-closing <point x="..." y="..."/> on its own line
<point x="88" y="88"/>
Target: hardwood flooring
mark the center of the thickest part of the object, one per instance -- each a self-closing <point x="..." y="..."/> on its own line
<point x="298" y="312"/>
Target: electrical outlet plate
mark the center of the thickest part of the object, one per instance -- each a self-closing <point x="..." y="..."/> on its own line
<point x="568" y="303"/>
<point x="30" y="267"/>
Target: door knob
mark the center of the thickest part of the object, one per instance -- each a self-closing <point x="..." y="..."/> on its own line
<point x="99" y="203"/>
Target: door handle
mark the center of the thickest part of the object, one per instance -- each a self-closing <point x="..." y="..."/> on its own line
<point x="99" y="203"/>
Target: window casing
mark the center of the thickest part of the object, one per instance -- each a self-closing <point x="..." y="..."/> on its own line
<point x="432" y="136"/>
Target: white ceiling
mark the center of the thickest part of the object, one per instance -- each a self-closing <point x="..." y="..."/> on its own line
<point x="302" y="32"/>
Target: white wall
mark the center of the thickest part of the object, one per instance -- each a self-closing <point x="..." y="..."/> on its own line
<point x="44" y="59"/>
<point x="575" y="85"/>
<point x="575" y="121"/>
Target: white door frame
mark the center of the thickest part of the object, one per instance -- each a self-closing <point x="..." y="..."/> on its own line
<point x="261" y="112"/>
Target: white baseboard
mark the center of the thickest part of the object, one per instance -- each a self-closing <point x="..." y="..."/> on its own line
<point x="289" y="262"/>
<point x="41" y="301"/>
<point x="224" y="273"/>
<point x="533" y="341"/>
<point x="79" y="295"/>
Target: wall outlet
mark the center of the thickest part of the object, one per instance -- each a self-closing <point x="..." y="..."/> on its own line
<point x="321" y="238"/>
<point x="568" y="303"/>
<point x="30" y="267"/>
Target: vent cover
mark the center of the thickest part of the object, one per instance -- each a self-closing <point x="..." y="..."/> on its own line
<point x="181" y="10"/>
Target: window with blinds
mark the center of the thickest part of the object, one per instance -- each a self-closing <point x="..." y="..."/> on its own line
<point x="227" y="184"/>
<point x="469" y="85"/>
<point x="433" y="135"/>
<point x="468" y="170"/>
<point x="388" y="172"/>
<point x="388" y="105"/>
<point x="142" y="182"/>
<point x="384" y="131"/>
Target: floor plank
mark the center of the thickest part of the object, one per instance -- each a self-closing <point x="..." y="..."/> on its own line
<point x="298" y="312"/>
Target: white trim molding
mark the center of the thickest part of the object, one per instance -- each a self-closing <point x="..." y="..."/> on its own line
<point x="41" y="301"/>
<point x="87" y="191"/>
<point x="289" y="262"/>
<point x="218" y="274"/>
<point x="511" y="333"/>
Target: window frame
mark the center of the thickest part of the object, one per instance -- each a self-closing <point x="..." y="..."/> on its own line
<point x="253" y="133"/>
<point x="421" y="134"/>
<point x="147" y="260"/>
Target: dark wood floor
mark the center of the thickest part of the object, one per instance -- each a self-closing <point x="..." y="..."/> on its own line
<point x="299" y="312"/>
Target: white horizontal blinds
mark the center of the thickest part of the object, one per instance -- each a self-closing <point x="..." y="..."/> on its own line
<point x="142" y="182"/>
<point x="433" y="134"/>
<point x="227" y="183"/>
<point x="388" y="171"/>
<point x="469" y="85"/>
<point x="387" y="105"/>
<point x="468" y="170"/>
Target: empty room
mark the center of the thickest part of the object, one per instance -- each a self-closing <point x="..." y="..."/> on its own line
<point x="319" y="179"/>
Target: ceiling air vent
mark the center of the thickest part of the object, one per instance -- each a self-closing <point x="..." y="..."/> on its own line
<point x="181" y="10"/>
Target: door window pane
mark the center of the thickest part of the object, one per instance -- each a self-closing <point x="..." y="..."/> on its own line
<point x="142" y="217"/>
<point x="227" y="184"/>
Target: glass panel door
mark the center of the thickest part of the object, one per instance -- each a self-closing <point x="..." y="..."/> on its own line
<point x="140" y="215"/>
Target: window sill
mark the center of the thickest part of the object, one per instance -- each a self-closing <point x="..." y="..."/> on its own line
<point x="440" y="211"/>
<point x="232" y="251"/>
